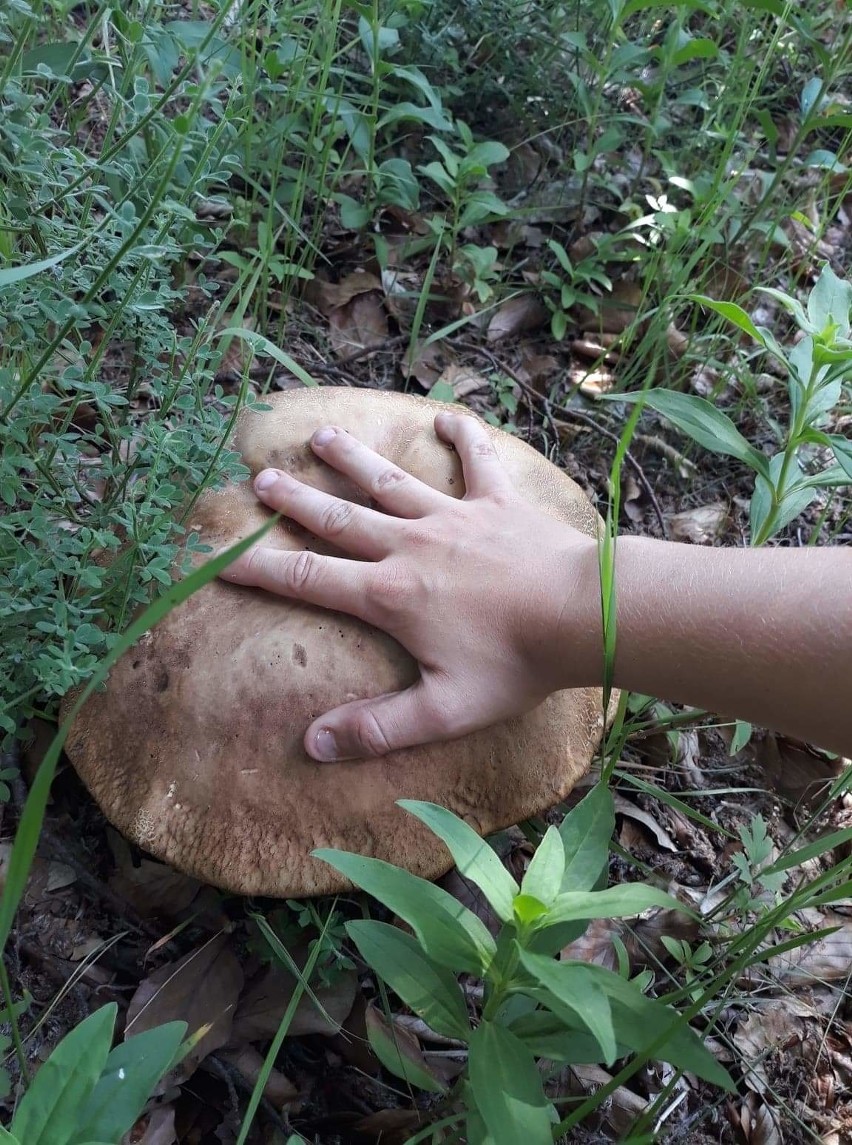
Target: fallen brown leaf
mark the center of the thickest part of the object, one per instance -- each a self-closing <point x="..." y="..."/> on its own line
<point x="262" y="1006"/>
<point x="518" y="315"/>
<point x="154" y="1128"/>
<point x="201" y="989"/>
<point x="700" y="526"/>
<point x="279" y="1090"/>
<point x="407" y="1045"/>
<point x="152" y="888"/>
<point x="426" y="362"/>
<point x="828" y="959"/>
<point x="327" y="296"/>
<point x="359" y="325"/>
<point x="463" y="380"/>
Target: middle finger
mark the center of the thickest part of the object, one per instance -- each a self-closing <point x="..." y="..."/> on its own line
<point x="393" y="488"/>
<point x="353" y="528"/>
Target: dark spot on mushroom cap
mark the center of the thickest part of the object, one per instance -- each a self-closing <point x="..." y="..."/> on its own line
<point x="300" y="656"/>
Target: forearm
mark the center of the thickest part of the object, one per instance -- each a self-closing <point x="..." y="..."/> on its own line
<point x="761" y="635"/>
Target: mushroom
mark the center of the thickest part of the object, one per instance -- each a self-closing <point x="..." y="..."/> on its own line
<point x="194" y="748"/>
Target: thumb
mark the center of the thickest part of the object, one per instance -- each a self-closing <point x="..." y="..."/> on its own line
<point x="365" y="729"/>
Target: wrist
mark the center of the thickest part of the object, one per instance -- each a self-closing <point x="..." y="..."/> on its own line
<point x="576" y="639"/>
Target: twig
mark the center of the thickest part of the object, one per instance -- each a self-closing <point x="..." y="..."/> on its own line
<point x="584" y="419"/>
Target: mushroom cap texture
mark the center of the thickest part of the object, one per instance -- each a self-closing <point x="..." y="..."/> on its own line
<point x="194" y="748"/>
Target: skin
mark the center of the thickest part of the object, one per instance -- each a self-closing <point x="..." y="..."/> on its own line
<point x="500" y="605"/>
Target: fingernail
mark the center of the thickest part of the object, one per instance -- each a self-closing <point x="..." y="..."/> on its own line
<point x="324" y="436"/>
<point x="266" y="479"/>
<point x="325" y="745"/>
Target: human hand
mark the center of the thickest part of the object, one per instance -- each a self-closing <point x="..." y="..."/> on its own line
<point x="497" y="601"/>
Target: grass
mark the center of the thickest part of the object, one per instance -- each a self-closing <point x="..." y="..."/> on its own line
<point x="176" y="180"/>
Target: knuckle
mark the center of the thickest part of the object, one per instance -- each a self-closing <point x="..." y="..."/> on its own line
<point x="302" y="572"/>
<point x="390" y="591"/>
<point x="369" y="734"/>
<point x="337" y="517"/>
<point x="388" y="479"/>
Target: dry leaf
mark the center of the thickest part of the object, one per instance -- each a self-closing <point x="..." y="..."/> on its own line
<point x="517" y="315"/>
<point x="701" y="526"/>
<point x="625" y="807"/>
<point x="597" y="347"/>
<point x="327" y="296"/>
<point x="796" y="771"/>
<point x="463" y="380"/>
<point x="279" y="1090"/>
<point x="154" y="1128"/>
<point x="201" y="989"/>
<point x="427" y="362"/>
<point x="359" y="325"/>
<point x="45" y="877"/>
<point x="618" y="310"/>
<point x="758" y="1123"/>
<point x="152" y="888"/>
<point x="828" y="959"/>
<point x="263" y="1004"/>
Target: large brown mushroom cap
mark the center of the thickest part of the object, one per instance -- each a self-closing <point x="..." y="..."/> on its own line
<point x="194" y="749"/>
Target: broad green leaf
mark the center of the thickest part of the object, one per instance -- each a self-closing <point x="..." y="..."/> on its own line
<point x="639" y="1021"/>
<point x="543" y="878"/>
<point x="47" y="1113"/>
<point x="547" y="1035"/>
<point x="6" y="1137"/>
<point x="586" y="832"/>
<point x="734" y="314"/>
<point x="830" y="302"/>
<point x="391" y="1052"/>
<point x="576" y="987"/>
<point x="791" y="305"/>
<point x="128" y="1079"/>
<point x="447" y="931"/>
<point x="842" y="447"/>
<point x="471" y="854"/>
<point x="507" y="1088"/>
<point x="425" y="986"/>
<point x="614" y="902"/>
<point x="700" y="420"/>
<point x="9" y="275"/>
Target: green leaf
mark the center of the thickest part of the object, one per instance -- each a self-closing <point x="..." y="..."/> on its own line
<point x="391" y="1053"/>
<point x="128" y="1079"/>
<point x="6" y="1137"/>
<point x="640" y="1021"/>
<point x="543" y="878"/>
<point x="475" y="859"/>
<point x="47" y="1113"/>
<point x="447" y="931"/>
<point x="12" y="274"/>
<point x="262" y="345"/>
<point x="576" y="987"/>
<point x="842" y="447"/>
<point x="830" y="302"/>
<point x="507" y="1088"/>
<point x="734" y="314"/>
<point x="813" y="850"/>
<point x="547" y="1035"/>
<point x="614" y="902"/>
<point x="426" y="987"/>
<point x="700" y="420"/>
<point x="586" y="832"/>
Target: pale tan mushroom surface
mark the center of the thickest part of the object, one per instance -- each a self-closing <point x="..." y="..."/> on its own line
<point x="194" y="749"/>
